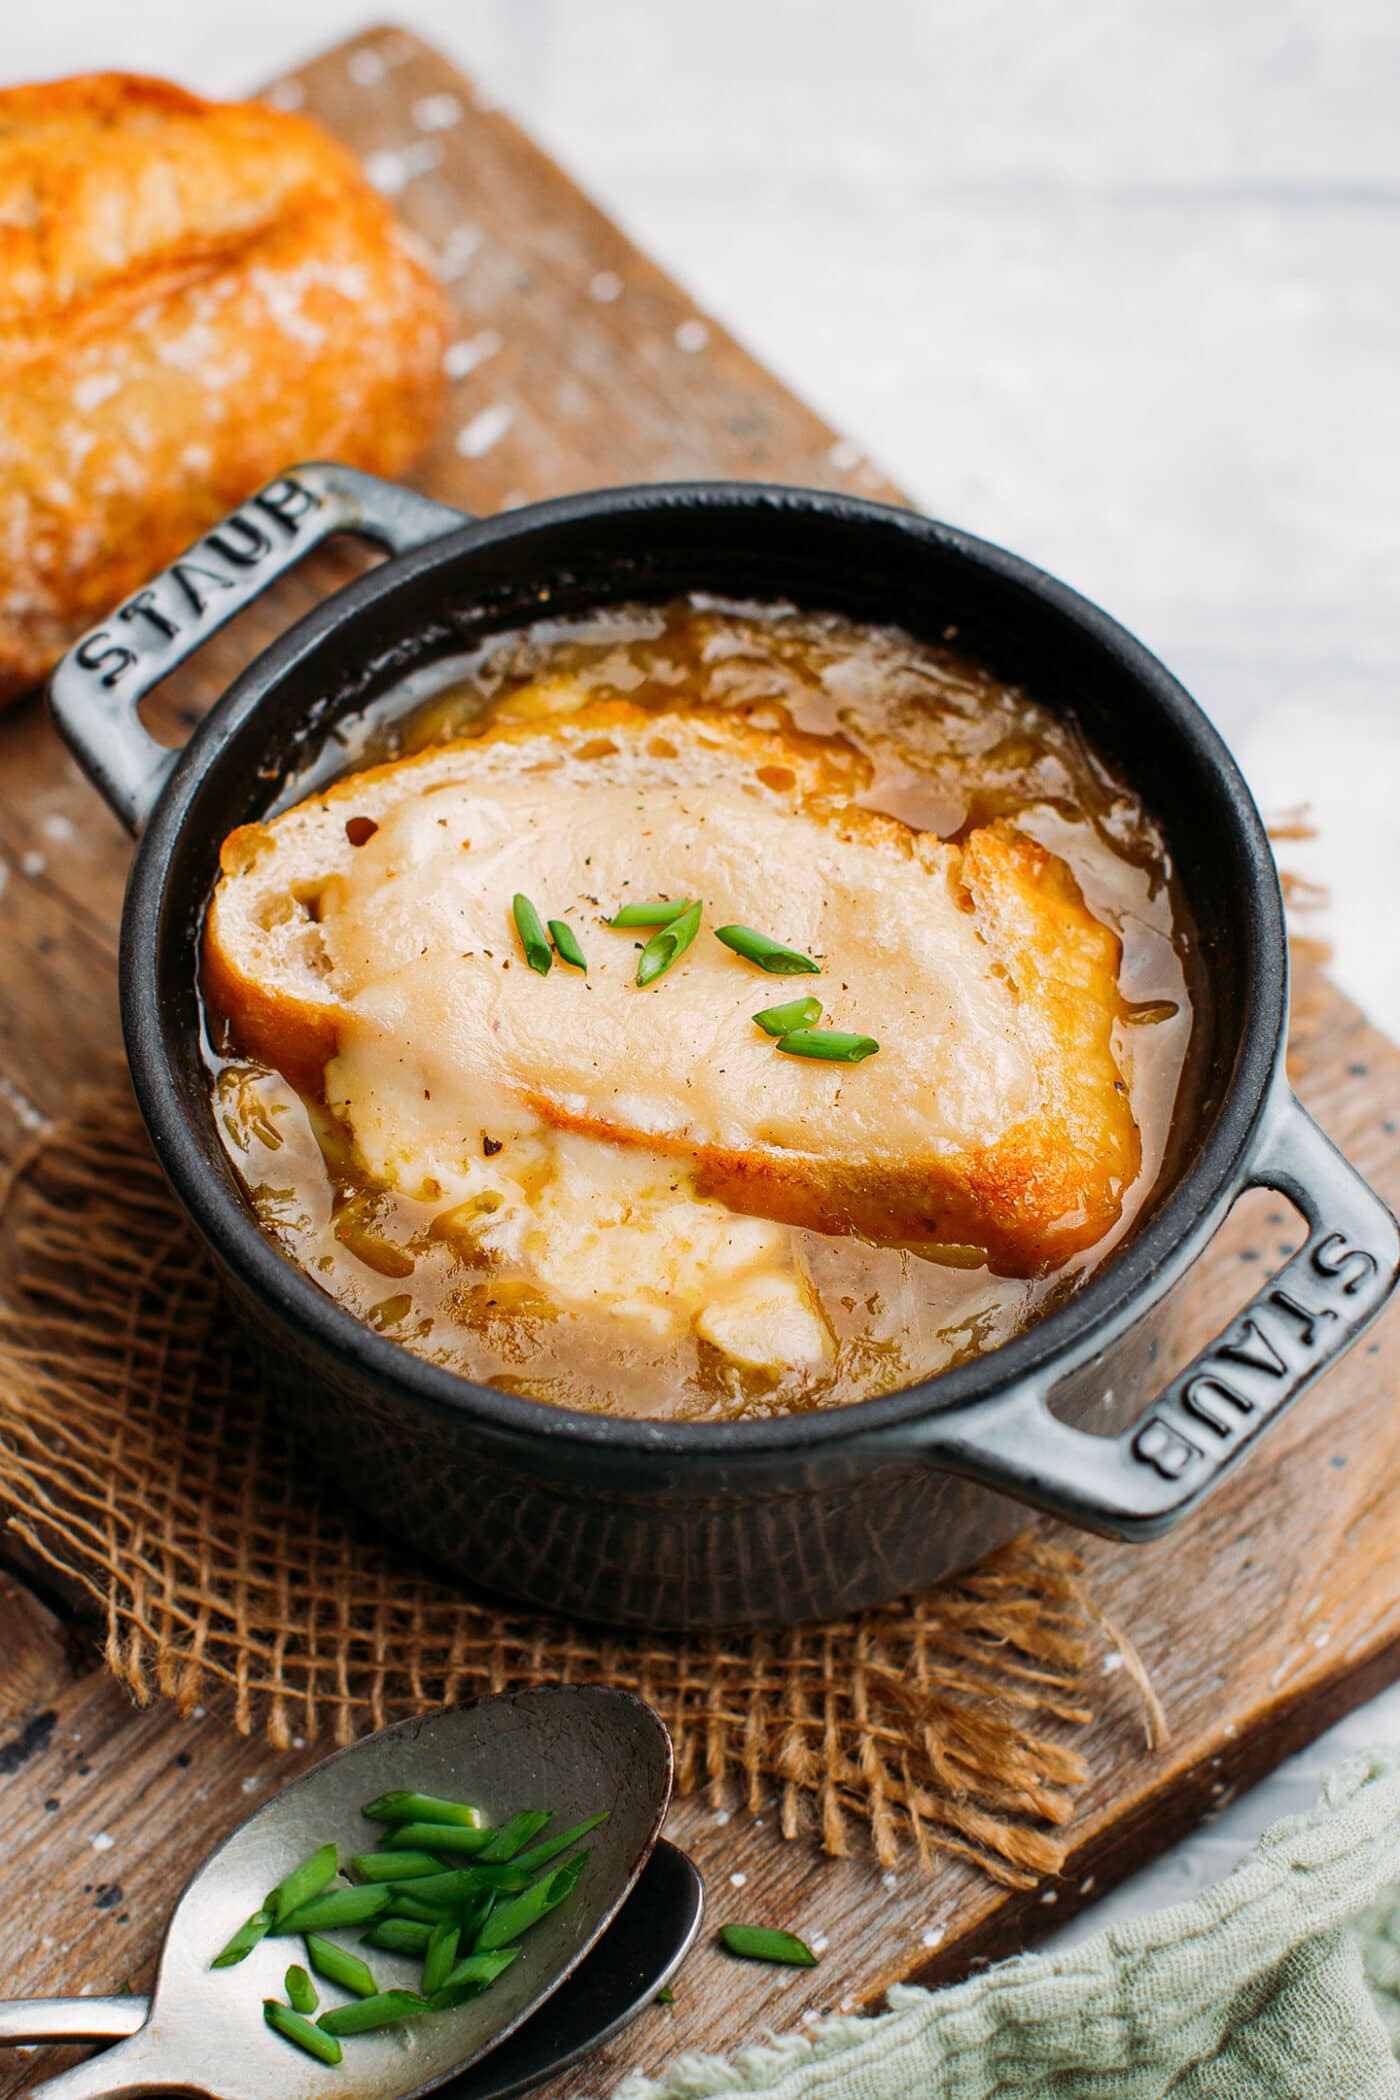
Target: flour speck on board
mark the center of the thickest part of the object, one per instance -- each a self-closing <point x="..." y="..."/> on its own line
<point x="605" y="286"/>
<point x="458" y="250"/>
<point x="844" y="455"/>
<point x="285" y="94"/>
<point x="461" y="358"/>
<point x="692" y="335"/>
<point x="390" y="171"/>
<point x="738" y="1880"/>
<point x="103" y="1842"/>
<point x="934" y="1936"/>
<point x="365" y="67"/>
<point x="436" y="112"/>
<point x="475" y="439"/>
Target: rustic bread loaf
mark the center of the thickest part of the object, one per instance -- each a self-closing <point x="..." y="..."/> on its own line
<point x="193" y="295"/>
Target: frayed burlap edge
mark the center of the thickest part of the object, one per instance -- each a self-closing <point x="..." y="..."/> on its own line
<point x="137" y="1459"/>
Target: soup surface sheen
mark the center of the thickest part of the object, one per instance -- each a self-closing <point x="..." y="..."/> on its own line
<point x="555" y="1263"/>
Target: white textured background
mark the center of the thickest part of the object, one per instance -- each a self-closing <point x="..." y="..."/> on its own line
<point x="1115" y="282"/>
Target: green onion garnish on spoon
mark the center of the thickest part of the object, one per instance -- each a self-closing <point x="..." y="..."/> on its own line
<point x="302" y="1994"/>
<point x="508" y="1920"/>
<point x="423" y="1808"/>
<point x="293" y="2028"/>
<point x="244" y="1940"/>
<point x="302" y="1884"/>
<point x="339" y="1965"/>
<point x="364" y="2015"/>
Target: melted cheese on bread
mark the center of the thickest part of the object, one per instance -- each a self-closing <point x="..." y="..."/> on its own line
<point x="363" y="941"/>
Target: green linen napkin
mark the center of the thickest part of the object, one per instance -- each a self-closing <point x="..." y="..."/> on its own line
<point x="1258" y="1986"/>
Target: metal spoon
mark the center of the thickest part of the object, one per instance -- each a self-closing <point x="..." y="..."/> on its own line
<point x="572" y="1749"/>
<point x="636" y="1957"/>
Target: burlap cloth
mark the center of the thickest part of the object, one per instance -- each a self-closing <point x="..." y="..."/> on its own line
<point x="138" y="1458"/>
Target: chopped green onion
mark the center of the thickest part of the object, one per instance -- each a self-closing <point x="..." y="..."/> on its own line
<point x="471" y="1977"/>
<point x="665" y="1996"/>
<point x="566" y="944"/>
<point x="457" y="1883"/>
<point x="384" y="2009"/>
<point x="441" y="1954"/>
<point x="512" y="1835"/>
<point x="658" y="913"/>
<point x="782" y="1020"/>
<point x="301" y="1992"/>
<point x="508" y="1920"/>
<point x="394" y="1866"/>
<point x="829" y="1044"/>
<point x="302" y="1883"/>
<point x="243" y="1941"/>
<point x="762" y="1943"/>
<point x="354" y="1906"/>
<point x="442" y="1837"/>
<point x="415" y="1911"/>
<point x="532" y="935"/>
<point x="540" y="1855"/>
<point x="473" y="1914"/>
<point x="769" y="954"/>
<point x="338" y="1965"/>
<point x="397" y="1936"/>
<point x="293" y="2028"/>
<point x="667" y="943"/>
<point x="421" y="1808"/>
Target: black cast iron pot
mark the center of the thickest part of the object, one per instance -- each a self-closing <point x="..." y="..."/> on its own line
<point x="651" y="1522"/>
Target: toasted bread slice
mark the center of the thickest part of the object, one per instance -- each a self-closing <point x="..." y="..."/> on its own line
<point x="364" y="940"/>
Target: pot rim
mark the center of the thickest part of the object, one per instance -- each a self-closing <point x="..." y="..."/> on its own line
<point x="1131" y="1282"/>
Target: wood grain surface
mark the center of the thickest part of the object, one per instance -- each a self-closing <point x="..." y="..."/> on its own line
<point x="1264" y="1617"/>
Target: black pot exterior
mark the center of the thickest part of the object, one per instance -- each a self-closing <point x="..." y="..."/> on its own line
<point x="654" y="1523"/>
<point x="688" y="1540"/>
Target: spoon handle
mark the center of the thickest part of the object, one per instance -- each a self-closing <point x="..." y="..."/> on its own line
<point x="70" y="2019"/>
<point x="141" y="2063"/>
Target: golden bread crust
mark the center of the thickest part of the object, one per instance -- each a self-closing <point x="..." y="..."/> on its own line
<point x="193" y="296"/>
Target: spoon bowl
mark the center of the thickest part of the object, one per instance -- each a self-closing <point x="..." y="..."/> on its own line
<point x="574" y="1750"/>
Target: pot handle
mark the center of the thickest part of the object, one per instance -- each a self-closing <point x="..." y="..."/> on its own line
<point x="96" y="689"/>
<point x="1137" y="1484"/>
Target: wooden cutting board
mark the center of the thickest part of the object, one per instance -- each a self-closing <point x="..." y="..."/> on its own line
<point x="1262" y="1619"/>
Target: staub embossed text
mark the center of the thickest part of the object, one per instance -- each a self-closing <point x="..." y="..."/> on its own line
<point x="1261" y="1362"/>
<point x="198" y="585"/>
